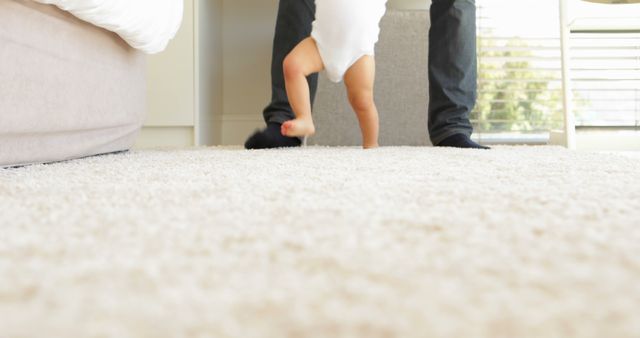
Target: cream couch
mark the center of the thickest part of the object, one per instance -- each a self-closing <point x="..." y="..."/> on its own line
<point x="68" y="89"/>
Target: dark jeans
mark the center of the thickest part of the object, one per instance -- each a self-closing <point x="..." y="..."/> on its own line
<point x="452" y="63"/>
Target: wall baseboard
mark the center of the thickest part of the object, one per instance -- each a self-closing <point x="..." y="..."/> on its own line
<point x="235" y="128"/>
<point x="165" y="137"/>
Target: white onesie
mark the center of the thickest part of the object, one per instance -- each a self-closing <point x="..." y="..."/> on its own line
<point x="345" y="31"/>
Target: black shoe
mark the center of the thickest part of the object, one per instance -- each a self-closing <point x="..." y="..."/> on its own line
<point x="460" y="141"/>
<point x="271" y="137"/>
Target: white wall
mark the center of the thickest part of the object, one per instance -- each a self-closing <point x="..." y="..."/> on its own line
<point x="185" y="88"/>
<point x="170" y="119"/>
<point x="248" y="27"/>
<point x="409" y="4"/>
<point x="209" y="72"/>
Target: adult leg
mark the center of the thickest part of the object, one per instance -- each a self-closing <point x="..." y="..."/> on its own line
<point x="292" y="26"/>
<point x="452" y="72"/>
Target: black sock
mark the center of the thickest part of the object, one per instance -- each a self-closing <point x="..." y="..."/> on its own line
<point x="460" y="141"/>
<point x="271" y="137"/>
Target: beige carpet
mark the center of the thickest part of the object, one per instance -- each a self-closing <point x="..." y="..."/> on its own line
<point x="320" y="242"/>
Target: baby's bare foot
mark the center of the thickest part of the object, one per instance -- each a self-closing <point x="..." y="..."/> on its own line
<point x="298" y="128"/>
<point x="370" y="146"/>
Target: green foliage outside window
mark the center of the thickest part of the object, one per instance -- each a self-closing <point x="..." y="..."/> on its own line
<point x="512" y="97"/>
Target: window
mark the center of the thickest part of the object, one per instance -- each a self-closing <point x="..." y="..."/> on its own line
<point x="519" y="65"/>
<point x="520" y="70"/>
<point x="605" y="64"/>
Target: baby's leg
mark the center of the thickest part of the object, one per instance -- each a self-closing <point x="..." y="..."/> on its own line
<point x="303" y="60"/>
<point x="359" y="80"/>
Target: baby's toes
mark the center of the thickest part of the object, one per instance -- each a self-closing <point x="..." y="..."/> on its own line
<point x="285" y="128"/>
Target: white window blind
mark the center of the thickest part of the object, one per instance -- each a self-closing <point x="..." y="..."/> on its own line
<point x="519" y="64"/>
<point x="605" y="64"/>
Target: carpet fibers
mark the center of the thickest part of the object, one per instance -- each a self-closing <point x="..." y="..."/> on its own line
<point x="323" y="242"/>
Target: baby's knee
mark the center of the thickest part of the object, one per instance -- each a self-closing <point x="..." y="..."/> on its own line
<point x="361" y="100"/>
<point x="292" y="67"/>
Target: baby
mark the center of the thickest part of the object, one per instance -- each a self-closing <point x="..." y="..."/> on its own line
<point x="342" y="43"/>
